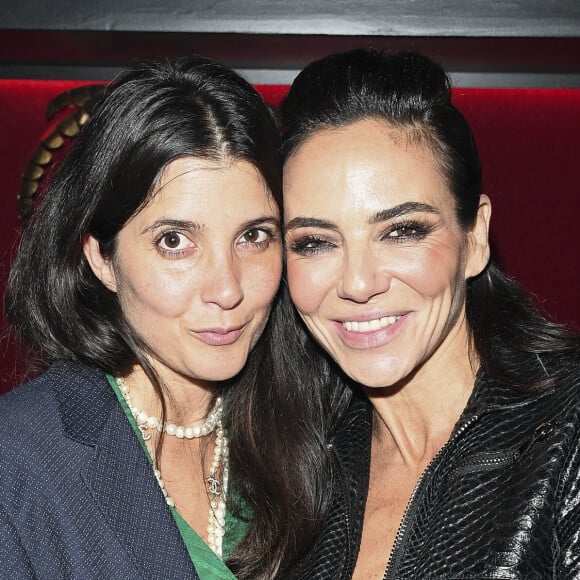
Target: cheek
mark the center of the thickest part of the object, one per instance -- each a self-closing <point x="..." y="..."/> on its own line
<point x="165" y="294"/>
<point x="308" y="284"/>
<point x="262" y="280"/>
<point x="430" y="271"/>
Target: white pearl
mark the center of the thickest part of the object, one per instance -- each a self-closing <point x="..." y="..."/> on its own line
<point x="142" y="417"/>
<point x="152" y="422"/>
<point x="170" y="429"/>
<point x="188" y="432"/>
<point x="179" y="432"/>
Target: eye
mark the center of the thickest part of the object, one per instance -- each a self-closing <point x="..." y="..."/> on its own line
<point x="406" y="231"/>
<point x="256" y="236"/>
<point x="310" y="245"/>
<point x="173" y="243"/>
<point x="402" y="232"/>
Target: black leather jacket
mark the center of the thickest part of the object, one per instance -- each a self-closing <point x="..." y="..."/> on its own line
<point x="500" y="500"/>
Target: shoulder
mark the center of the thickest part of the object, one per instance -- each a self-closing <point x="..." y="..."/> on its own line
<point x="553" y="386"/>
<point x="566" y="391"/>
<point x="29" y="402"/>
<point x="44" y="390"/>
<point x="49" y="427"/>
<point x="542" y="423"/>
<point x="44" y="404"/>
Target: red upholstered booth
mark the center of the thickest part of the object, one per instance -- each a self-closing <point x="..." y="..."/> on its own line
<point x="529" y="140"/>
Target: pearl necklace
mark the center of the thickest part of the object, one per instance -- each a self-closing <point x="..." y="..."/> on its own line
<point x="145" y="421"/>
<point x="217" y="481"/>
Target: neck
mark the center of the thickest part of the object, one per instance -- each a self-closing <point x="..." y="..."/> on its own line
<point x="416" y="416"/>
<point x="187" y="400"/>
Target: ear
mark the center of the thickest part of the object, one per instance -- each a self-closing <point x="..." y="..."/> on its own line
<point x="102" y="267"/>
<point x="478" y="240"/>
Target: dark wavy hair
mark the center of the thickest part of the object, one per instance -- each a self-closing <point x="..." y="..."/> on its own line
<point x="513" y="341"/>
<point x="151" y="115"/>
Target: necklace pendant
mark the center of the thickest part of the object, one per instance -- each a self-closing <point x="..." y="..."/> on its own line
<point x="213" y="486"/>
<point x="146" y="436"/>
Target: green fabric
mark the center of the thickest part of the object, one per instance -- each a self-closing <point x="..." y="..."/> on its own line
<point x="207" y="565"/>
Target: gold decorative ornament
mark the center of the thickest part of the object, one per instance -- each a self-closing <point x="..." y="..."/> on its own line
<point x="82" y="99"/>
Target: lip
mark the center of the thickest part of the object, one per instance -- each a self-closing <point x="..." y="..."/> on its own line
<point x="371" y="338"/>
<point x="219" y="336"/>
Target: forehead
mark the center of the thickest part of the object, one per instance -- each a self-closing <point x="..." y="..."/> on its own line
<point x="202" y="185"/>
<point x="179" y="172"/>
<point x="368" y="163"/>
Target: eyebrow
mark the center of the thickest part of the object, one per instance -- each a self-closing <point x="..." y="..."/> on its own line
<point x="309" y="222"/>
<point x="265" y="219"/>
<point x="380" y="216"/>
<point x="401" y="209"/>
<point x="197" y="227"/>
<point x="179" y="224"/>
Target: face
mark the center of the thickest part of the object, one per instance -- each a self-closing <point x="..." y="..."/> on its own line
<point x="196" y="270"/>
<point x="377" y="262"/>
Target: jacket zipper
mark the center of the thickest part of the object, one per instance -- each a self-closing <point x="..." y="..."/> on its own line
<point x="397" y="550"/>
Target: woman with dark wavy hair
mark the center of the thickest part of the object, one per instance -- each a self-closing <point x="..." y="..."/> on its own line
<point x="142" y="284"/>
<point x="451" y="447"/>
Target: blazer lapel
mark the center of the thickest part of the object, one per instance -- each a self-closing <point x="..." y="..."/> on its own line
<point x="121" y="480"/>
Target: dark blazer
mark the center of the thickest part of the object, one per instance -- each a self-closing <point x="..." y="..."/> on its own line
<point x="78" y="498"/>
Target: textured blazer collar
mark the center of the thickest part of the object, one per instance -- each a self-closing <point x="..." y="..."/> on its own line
<point x="118" y="474"/>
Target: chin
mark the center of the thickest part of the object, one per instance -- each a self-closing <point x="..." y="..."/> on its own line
<point x="219" y="374"/>
<point x="221" y="370"/>
<point x="375" y="376"/>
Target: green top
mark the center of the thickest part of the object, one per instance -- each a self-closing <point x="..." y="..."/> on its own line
<point x="207" y="565"/>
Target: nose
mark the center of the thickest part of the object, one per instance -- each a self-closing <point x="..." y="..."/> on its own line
<point x="222" y="284"/>
<point x="362" y="277"/>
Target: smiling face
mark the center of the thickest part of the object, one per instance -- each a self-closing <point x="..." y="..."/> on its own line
<point x="377" y="262"/>
<point x="197" y="268"/>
